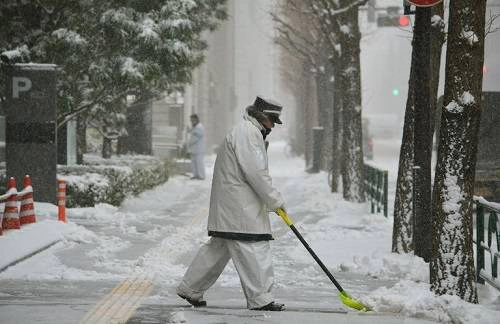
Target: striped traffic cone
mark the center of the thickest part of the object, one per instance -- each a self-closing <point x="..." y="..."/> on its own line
<point x="27" y="213"/>
<point x="61" y="200"/>
<point x="11" y="213"/>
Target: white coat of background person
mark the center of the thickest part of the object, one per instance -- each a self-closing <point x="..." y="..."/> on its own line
<point x="241" y="199"/>
<point x="196" y="147"/>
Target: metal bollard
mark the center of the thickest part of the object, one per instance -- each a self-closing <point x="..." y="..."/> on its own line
<point x="317" y="142"/>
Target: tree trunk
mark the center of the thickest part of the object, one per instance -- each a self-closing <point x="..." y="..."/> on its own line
<point x="81" y="138"/>
<point x="139" y="125"/>
<point x="324" y="98"/>
<point x="352" y="177"/>
<point x="337" y="156"/>
<point x="452" y="263"/>
<point x="402" y="233"/>
<point x="62" y="144"/>
<point x="310" y="118"/>
<point x="437" y="40"/>
<point x="422" y="147"/>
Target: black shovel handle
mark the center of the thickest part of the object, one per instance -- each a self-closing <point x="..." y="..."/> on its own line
<point x="325" y="269"/>
<point x="282" y="213"/>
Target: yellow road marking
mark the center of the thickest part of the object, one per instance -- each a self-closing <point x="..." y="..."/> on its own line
<point x="107" y="300"/>
<point x="128" y="309"/>
<point x="121" y="302"/>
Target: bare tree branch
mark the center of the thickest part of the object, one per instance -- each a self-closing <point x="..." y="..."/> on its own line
<point x="489" y="24"/>
<point x="79" y="110"/>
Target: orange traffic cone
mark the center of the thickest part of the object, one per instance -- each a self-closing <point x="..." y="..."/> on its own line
<point x="27" y="213"/>
<point x="11" y="214"/>
<point x="61" y="199"/>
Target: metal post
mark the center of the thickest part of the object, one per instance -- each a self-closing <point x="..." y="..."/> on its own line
<point x="492" y="228"/>
<point x="479" y="241"/>
<point x="316" y="149"/>
<point x="372" y="196"/>
<point x="379" y="189"/>
<point x="386" y="193"/>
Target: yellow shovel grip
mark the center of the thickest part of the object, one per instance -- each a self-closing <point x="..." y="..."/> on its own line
<point x="285" y="217"/>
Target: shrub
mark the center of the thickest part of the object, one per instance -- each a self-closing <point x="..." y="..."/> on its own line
<point x="107" y="180"/>
<point x="112" y="180"/>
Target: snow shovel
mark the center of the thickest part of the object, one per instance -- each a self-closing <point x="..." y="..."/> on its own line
<point x="344" y="296"/>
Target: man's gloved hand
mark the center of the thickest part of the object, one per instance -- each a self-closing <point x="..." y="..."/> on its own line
<point x="283" y="214"/>
<point x="281" y="207"/>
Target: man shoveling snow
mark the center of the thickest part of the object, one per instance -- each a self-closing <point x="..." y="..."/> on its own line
<point x="241" y="198"/>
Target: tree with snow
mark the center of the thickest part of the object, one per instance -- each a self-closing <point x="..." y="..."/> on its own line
<point x="404" y="238"/>
<point x="110" y="49"/>
<point x="352" y="145"/>
<point x="305" y="42"/>
<point x="336" y="25"/>
<point x="452" y="262"/>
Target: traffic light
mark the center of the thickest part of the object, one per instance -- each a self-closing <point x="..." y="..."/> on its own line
<point x="395" y="92"/>
<point x="392" y="18"/>
<point x="404" y="21"/>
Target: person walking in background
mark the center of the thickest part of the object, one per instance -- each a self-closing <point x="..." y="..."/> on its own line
<point x="196" y="147"/>
<point x="241" y="198"/>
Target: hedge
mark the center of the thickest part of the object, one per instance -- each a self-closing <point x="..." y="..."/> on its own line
<point x="109" y="180"/>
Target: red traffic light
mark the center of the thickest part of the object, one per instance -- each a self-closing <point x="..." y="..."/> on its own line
<point x="404" y="21"/>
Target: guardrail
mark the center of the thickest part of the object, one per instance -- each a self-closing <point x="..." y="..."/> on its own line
<point x="376" y="188"/>
<point x="483" y="208"/>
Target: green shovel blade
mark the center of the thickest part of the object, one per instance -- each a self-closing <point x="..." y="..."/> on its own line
<point x="353" y="303"/>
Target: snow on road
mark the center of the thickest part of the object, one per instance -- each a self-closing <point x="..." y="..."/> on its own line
<point x="158" y="232"/>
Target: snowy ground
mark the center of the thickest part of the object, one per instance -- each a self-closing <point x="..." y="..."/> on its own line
<point x="155" y="235"/>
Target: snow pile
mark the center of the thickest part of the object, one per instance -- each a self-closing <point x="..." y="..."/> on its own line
<point x="166" y="255"/>
<point x="19" y="244"/>
<point x="390" y="266"/>
<point x="82" y="182"/>
<point x="416" y="300"/>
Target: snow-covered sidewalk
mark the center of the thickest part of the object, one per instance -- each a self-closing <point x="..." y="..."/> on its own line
<point x="157" y="233"/>
<point x="18" y="245"/>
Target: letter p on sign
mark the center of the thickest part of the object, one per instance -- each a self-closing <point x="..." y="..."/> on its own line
<point x="20" y="84"/>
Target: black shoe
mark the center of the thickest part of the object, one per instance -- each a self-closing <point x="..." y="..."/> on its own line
<point x="194" y="302"/>
<point x="272" y="306"/>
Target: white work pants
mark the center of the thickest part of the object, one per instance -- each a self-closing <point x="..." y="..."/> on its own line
<point x="252" y="260"/>
<point x="198" y="165"/>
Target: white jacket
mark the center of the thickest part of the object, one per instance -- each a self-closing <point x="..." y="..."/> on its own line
<point x="242" y="193"/>
<point x="196" y="141"/>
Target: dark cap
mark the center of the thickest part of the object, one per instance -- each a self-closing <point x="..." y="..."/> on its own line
<point x="271" y="108"/>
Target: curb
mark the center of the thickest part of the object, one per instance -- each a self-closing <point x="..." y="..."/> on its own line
<point x="21" y="259"/>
